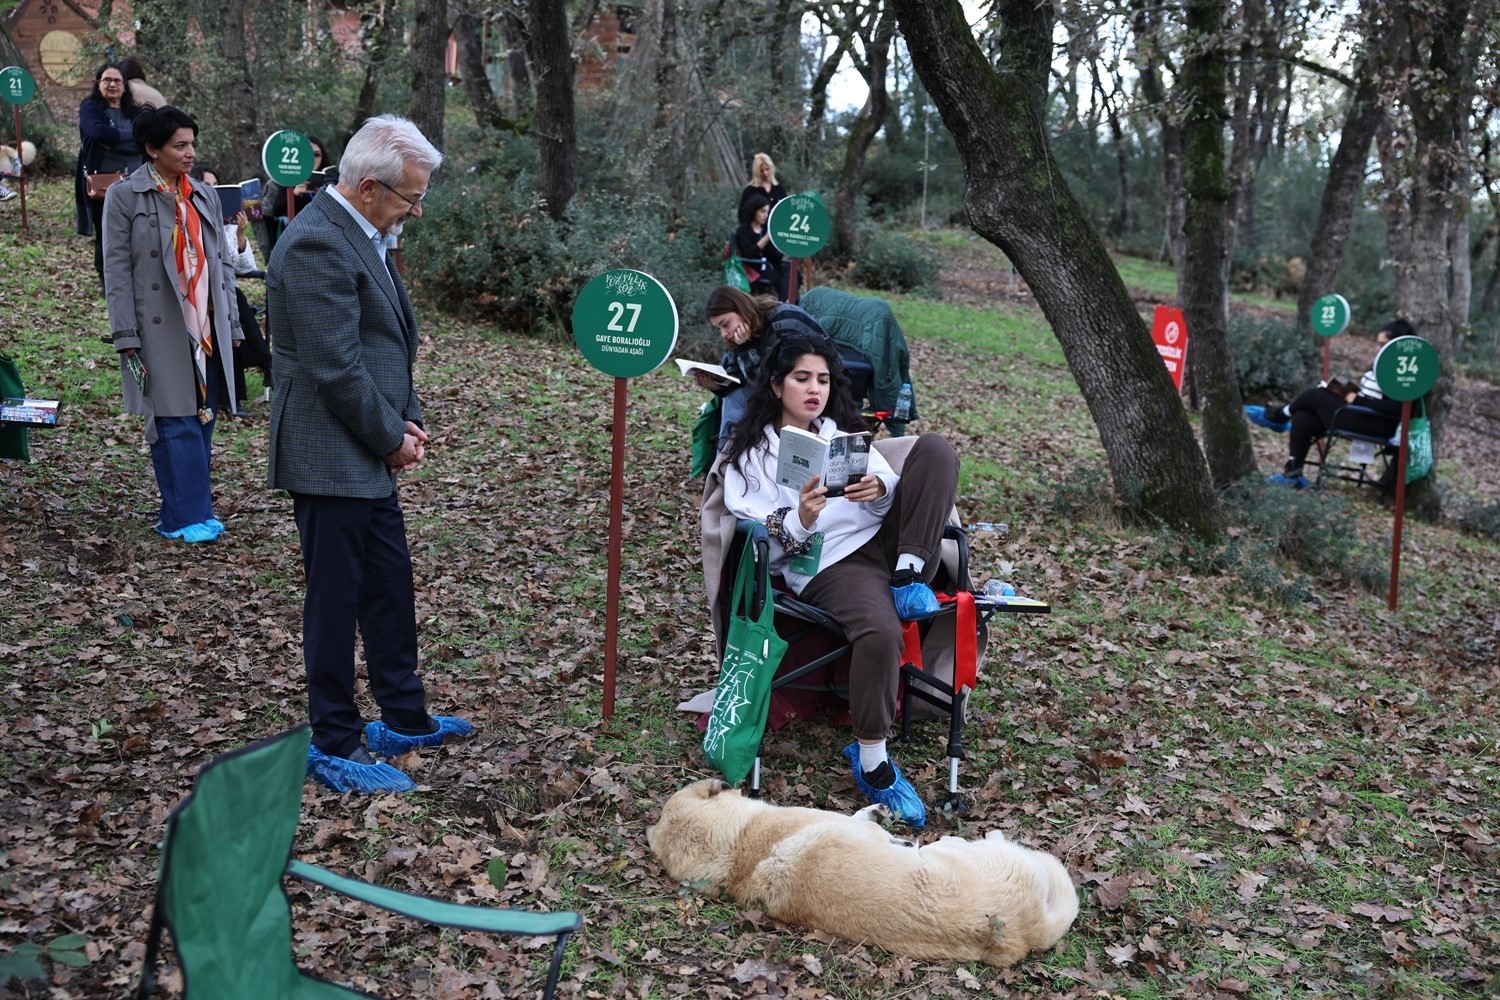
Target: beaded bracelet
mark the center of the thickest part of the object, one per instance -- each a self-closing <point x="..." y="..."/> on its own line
<point x="776" y="528"/>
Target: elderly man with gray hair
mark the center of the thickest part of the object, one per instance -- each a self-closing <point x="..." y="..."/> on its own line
<point x="345" y="421"/>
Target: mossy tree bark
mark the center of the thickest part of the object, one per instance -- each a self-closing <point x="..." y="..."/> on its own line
<point x="429" y="73"/>
<point x="1017" y="199"/>
<point x="1205" y="274"/>
<point x="844" y="239"/>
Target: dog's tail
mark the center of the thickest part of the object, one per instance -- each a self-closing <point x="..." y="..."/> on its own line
<point x="1059" y="898"/>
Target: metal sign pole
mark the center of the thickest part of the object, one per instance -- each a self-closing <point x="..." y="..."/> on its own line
<point x="1400" y="502"/>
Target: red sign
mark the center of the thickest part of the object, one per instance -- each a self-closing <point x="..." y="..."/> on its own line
<point x="1170" y="334"/>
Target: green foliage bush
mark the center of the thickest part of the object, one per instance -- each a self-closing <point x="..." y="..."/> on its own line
<point x="1272" y="359"/>
<point x="1314" y="530"/>
<point x="56" y="147"/>
<point x="484" y="247"/>
<point x="1484" y="520"/>
<point x="895" y="264"/>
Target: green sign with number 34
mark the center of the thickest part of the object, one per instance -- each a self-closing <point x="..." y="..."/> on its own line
<point x="1406" y="368"/>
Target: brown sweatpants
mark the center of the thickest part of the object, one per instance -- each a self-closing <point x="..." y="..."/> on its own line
<point x="857" y="589"/>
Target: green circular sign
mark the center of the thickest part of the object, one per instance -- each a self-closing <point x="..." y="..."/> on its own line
<point x="287" y="157"/>
<point x="625" y="323"/>
<point x="16" y="85"/>
<point x="1330" y="315"/>
<point x="799" y="225"/>
<point x="1406" y="368"/>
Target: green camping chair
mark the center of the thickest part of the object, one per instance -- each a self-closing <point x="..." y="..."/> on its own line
<point x="219" y="891"/>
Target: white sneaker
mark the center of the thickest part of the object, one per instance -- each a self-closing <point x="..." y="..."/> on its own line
<point x="6" y="194"/>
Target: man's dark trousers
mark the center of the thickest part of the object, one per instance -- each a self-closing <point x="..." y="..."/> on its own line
<point x="358" y="572"/>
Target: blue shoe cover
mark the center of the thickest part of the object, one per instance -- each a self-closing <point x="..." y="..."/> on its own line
<point x="384" y="741"/>
<point x="192" y="534"/>
<point x="914" y="600"/>
<point x="901" y="798"/>
<point x="1273" y="421"/>
<point x="216" y="525"/>
<point x="344" y="775"/>
<point x="1296" y="480"/>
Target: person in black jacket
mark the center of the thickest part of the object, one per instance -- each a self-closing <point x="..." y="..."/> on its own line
<point x="1311" y="415"/>
<point x="108" y="146"/>
<point x="765" y="265"/>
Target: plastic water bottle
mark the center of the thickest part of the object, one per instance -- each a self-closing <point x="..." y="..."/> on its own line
<point x="997" y="527"/>
<point x="998" y="588"/>
<point x="903" y="403"/>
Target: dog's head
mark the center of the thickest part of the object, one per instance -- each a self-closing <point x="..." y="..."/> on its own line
<point x="694" y="839"/>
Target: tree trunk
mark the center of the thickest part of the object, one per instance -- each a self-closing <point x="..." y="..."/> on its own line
<point x="1363" y="121"/>
<point x="1439" y="197"/>
<point x="237" y="109"/>
<point x="1205" y="285"/>
<point x="556" y="131"/>
<point x="670" y="128"/>
<point x="862" y="131"/>
<point x="518" y="60"/>
<point x="1148" y="42"/>
<point x="429" y="75"/>
<point x="377" y="29"/>
<point x="1018" y="199"/>
<point x="471" y="64"/>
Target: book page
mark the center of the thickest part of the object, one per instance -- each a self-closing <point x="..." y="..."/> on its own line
<point x="799" y="457"/>
<point x="687" y="367"/>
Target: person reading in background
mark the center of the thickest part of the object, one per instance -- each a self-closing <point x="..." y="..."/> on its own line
<point x="1310" y="416"/>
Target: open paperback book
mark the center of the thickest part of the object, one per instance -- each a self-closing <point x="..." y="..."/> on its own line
<point x="687" y="367"/>
<point x="840" y="460"/>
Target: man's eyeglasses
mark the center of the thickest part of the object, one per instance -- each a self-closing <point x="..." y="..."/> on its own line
<point x="415" y="203"/>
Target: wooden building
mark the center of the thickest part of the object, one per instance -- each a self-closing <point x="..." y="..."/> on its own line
<point x="53" y="39"/>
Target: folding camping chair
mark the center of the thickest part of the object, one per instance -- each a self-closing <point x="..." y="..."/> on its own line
<point x="1365" y="450"/>
<point x="220" y="889"/>
<point x="941" y="654"/>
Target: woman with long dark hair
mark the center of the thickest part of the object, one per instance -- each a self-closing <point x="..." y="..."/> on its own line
<point x="751" y="327"/>
<point x="873" y="550"/>
<point x="108" y="146"/>
<point x="170" y="287"/>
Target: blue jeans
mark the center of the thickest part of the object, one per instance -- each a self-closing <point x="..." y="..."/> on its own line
<point x="181" y="456"/>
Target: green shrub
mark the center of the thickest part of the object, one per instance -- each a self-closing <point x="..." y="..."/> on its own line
<point x="485" y="248"/>
<point x="895" y="264"/>
<point x="1084" y="493"/>
<point x="56" y="148"/>
<point x="1484" y="520"/>
<point x="1313" y="530"/>
<point x="1271" y="358"/>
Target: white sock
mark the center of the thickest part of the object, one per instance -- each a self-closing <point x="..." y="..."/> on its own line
<point x="914" y="563"/>
<point x="871" y="756"/>
<point x="1286" y="411"/>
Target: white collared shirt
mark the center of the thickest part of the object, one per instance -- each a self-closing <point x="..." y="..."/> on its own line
<point x="376" y="237"/>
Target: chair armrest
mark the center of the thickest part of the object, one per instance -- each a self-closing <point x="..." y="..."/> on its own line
<point x="434" y="911"/>
<point x="958" y="534"/>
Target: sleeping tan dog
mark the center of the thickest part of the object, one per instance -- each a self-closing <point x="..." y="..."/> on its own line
<point x="954" y="899"/>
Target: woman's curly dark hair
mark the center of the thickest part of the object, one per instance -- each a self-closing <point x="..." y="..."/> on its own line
<point x="764" y="406"/>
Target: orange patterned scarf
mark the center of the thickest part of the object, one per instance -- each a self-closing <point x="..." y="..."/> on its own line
<point x="191" y="259"/>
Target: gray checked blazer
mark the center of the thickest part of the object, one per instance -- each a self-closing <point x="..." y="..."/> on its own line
<point x="343" y="342"/>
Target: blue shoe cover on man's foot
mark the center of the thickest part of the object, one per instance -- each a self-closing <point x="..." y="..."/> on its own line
<point x="215" y="524"/>
<point x="386" y="742"/>
<point x="899" y="797"/>
<point x="1295" y="480"/>
<point x="1272" y="420"/>
<point x="357" y="773"/>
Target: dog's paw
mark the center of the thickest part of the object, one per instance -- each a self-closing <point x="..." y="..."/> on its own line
<point x="873" y="813"/>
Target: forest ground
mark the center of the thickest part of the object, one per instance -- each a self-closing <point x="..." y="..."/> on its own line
<point x="1255" y="798"/>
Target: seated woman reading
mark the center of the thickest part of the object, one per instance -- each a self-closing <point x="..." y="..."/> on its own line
<point x="1310" y="416"/>
<point x="867" y="557"/>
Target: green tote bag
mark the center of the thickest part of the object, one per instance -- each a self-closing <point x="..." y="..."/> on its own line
<point x="742" y="698"/>
<point x="14" y="441"/>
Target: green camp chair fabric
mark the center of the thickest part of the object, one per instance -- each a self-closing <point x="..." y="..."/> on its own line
<point x="220" y="891"/>
<point x="14" y="441"/>
<point x="868" y="325"/>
